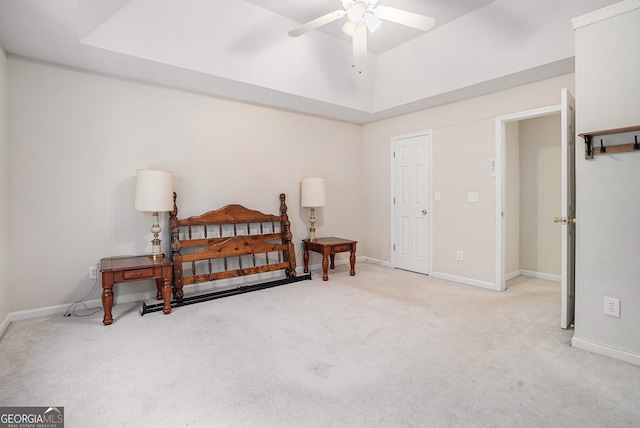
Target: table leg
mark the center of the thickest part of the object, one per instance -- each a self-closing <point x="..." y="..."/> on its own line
<point x="333" y="259"/>
<point x="325" y="266"/>
<point x="166" y="295"/>
<point x="159" y="285"/>
<point x="352" y="262"/>
<point x="107" y="297"/>
<point x="306" y="260"/>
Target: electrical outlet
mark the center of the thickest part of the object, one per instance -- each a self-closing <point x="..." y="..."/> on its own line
<point x="472" y="197"/>
<point x="459" y="255"/>
<point x="612" y="307"/>
<point x="93" y="272"/>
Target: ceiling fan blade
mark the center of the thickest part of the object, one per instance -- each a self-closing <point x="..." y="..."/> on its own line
<point x="318" y="22"/>
<point x="404" y="17"/>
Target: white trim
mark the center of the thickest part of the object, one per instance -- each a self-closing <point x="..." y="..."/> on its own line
<point x="61" y="309"/>
<point x="541" y="275"/>
<point x="607" y="351"/>
<point x="373" y="261"/>
<point x="463" y="280"/>
<point x="532" y="274"/>
<point x="500" y="131"/>
<point x="5" y="325"/>
<point x="605" y="13"/>
<point x="511" y="275"/>
<point x="145" y="295"/>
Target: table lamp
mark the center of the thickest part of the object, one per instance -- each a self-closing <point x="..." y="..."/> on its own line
<point x="154" y="193"/>
<point x="312" y="195"/>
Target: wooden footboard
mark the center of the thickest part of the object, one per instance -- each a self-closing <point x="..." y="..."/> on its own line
<point x="230" y="242"/>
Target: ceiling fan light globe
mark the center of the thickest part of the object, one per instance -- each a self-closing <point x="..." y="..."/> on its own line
<point x="347" y="4"/>
<point x="349" y="27"/>
<point x="357" y="11"/>
<point x="372" y="21"/>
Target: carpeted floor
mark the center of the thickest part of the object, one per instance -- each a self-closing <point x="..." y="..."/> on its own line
<point x="386" y="348"/>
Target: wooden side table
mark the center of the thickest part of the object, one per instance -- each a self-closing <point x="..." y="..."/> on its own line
<point x="328" y="247"/>
<point x="135" y="268"/>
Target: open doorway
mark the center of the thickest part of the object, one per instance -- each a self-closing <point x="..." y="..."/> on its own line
<point x="567" y="218"/>
<point x="532" y="198"/>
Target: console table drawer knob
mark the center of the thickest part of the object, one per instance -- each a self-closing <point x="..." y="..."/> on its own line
<point x="140" y="273"/>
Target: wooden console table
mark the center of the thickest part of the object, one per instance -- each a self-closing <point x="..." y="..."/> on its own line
<point x="328" y="247"/>
<point x="135" y="268"/>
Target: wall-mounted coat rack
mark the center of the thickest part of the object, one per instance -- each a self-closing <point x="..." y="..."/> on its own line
<point x="592" y="149"/>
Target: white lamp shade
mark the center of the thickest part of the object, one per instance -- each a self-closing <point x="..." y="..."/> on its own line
<point x="313" y="192"/>
<point x="154" y="190"/>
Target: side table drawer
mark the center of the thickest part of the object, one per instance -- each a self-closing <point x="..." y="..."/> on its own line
<point x="137" y="274"/>
<point x="341" y="248"/>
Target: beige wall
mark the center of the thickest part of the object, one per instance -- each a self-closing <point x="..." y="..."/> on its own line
<point x="463" y="147"/>
<point x="77" y="139"/>
<point x="540" y="192"/>
<point x="4" y="193"/>
<point x="607" y="227"/>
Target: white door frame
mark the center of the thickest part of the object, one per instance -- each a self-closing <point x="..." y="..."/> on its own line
<point x="429" y="204"/>
<point x="501" y="125"/>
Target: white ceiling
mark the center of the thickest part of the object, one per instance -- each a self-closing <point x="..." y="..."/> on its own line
<point x="240" y="49"/>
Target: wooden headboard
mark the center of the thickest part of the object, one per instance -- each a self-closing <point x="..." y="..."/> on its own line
<point x="229" y="242"/>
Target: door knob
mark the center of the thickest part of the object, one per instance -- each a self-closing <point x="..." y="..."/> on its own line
<point x="564" y="220"/>
<point x="424" y="212"/>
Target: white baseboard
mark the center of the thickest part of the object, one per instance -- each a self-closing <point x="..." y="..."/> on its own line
<point x="463" y="280"/>
<point x="514" y="274"/>
<point x="374" y="261"/>
<point x="540" y="275"/>
<point x="94" y="303"/>
<point x="607" y="351"/>
<point x="138" y="297"/>
<point x="4" y="325"/>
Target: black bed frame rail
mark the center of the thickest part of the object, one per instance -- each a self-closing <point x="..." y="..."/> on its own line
<point x="190" y="300"/>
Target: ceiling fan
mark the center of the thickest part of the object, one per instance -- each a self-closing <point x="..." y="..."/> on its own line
<point x="363" y="15"/>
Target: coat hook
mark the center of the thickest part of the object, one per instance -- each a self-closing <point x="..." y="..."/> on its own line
<point x="603" y="149"/>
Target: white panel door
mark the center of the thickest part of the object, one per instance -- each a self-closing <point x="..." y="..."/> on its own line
<point x="568" y="262"/>
<point x="410" y="205"/>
